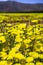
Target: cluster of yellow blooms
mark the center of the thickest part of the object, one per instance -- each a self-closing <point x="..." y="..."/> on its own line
<point x="34" y="18"/>
<point x="21" y="44"/>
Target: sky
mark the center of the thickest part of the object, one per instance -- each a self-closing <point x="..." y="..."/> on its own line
<point x="27" y="1"/>
<point x="30" y="1"/>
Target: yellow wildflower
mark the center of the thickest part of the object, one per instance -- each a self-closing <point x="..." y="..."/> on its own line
<point x="3" y="63"/>
<point x="17" y="64"/>
<point x="2" y="38"/>
<point x="22" y="26"/>
<point x="29" y="64"/>
<point x="11" y="55"/>
<point x="41" y="48"/>
<point x="9" y="62"/>
<point x="18" y="39"/>
<point x="29" y="59"/>
<point x="13" y="31"/>
<point x="39" y="63"/>
<point x="3" y="55"/>
<point x="35" y="21"/>
<point x="30" y="33"/>
<point x="41" y="56"/>
<point x="1" y="34"/>
<point x="34" y="54"/>
<point x="19" y="31"/>
<point x="19" y="56"/>
<point x="13" y="51"/>
<point x="38" y="37"/>
<point x="9" y="24"/>
<point x="27" y="41"/>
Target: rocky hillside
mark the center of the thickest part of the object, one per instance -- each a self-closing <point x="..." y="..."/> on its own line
<point x="16" y="7"/>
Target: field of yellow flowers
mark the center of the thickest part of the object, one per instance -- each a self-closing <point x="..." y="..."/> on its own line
<point x="21" y="43"/>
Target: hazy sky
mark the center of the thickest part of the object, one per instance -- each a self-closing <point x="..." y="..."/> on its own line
<point x="31" y="1"/>
<point x="27" y="1"/>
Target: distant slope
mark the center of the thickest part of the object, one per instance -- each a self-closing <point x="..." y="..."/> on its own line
<point x="16" y="7"/>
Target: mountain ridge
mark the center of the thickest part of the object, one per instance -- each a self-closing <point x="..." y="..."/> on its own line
<point x="13" y="6"/>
